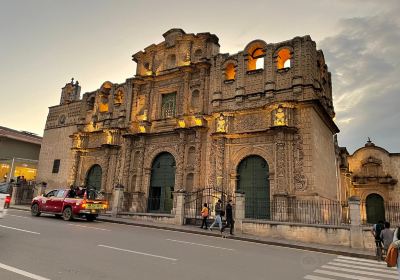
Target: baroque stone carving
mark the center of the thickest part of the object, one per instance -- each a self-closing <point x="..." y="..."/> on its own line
<point x="300" y="180"/>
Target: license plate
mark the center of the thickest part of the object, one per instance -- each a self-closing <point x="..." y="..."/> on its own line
<point x="94" y="206"/>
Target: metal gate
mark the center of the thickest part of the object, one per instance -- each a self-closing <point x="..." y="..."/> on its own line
<point x="194" y="202"/>
<point x="24" y="194"/>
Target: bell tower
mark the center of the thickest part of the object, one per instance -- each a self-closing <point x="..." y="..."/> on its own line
<point x="70" y="92"/>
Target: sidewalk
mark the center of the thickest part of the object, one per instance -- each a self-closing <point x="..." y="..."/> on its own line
<point x="336" y="250"/>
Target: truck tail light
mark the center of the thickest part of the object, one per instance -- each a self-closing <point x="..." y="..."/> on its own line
<point x="105" y="205"/>
<point x="83" y="203"/>
<point x="8" y="199"/>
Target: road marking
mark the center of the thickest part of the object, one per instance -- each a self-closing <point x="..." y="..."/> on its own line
<point x="363" y="263"/>
<point x="22" y="272"/>
<point x="139" y="253"/>
<point x="90" y="227"/>
<point x="363" y="267"/>
<point x="359" y="271"/>
<point x="198" y="244"/>
<point x="18" y="216"/>
<point x="343" y="275"/>
<point x="311" y="277"/>
<point x="28" y="231"/>
<point x="359" y="259"/>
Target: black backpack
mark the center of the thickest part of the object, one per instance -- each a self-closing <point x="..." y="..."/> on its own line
<point x="378" y="230"/>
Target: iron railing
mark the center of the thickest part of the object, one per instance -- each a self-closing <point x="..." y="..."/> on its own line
<point x="298" y="211"/>
<point x="389" y="211"/>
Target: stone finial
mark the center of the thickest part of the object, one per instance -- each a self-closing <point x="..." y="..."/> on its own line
<point x="369" y="143"/>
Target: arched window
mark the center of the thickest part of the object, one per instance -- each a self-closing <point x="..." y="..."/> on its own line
<point x="168" y="105"/>
<point x="256" y="59"/>
<point x="171" y="61"/>
<point x="90" y="103"/>
<point x="194" y="104"/>
<point x="197" y="54"/>
<point x="230" y="72"/>
<point x="283" y="60"/>
<point x="103" y="105"/>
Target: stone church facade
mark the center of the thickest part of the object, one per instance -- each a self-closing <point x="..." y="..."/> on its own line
<point x="258" y="121"/>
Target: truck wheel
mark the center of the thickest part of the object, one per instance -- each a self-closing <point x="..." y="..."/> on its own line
<point x="67" y="214"/>
<point x="35" y="210"/>
<point x="90" y="218"/>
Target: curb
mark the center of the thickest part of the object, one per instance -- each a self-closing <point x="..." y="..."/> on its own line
<point x="206" y="233"/>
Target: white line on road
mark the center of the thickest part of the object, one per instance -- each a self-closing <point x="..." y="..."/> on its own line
<point x="311" y="277"/>
<point x="387" y="270"/>
<point x="18" y="216"/>
<point x="90" y="227"/>
<point x="198" y="244"/>
<point x="359" y="271"/>
<point x="359" y="259"/>
<point x="22" y="272"/>
<point x="139" y="253"/>
<point x="28" y="231"/>
<point x="343" y="275"/>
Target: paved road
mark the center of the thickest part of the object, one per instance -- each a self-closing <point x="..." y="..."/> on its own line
<point x="49" y="248"/>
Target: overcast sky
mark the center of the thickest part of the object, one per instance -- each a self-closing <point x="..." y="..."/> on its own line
<point x="43" y="43"/>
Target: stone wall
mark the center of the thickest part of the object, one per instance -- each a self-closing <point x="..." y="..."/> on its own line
<point x="56" y="145"/>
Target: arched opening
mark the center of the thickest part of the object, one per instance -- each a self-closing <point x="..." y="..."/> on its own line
<point x="253" y="180"/>
<point x="256" y="59"/>
<point x="162" y="184"/>
<point x="283" y="60"/>
<point x="93" y="178"/>
<point x="375" y="208"/>
<point x="230" y="72"/>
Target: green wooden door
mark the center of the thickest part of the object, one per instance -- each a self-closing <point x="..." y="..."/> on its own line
<point x="162" y="184"/>
<point x="375" y="208"/>
<point x="93" y="177"/>
<point x="253" y="173"/>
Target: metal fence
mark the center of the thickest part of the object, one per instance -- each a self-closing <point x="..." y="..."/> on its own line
<point x="298" y="211"/>
<point x="194" y="202"/>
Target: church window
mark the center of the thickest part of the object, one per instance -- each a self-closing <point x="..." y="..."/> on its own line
<point x="168" y="105"/>
<point x="197" y="54"/>
<point x="90" y="103"/>
<point x="56" y="166"/>
<point x="283" y="60"/>
<point x="171" y="61"/>
<point x="230" y="72"/>
<point x="195" y="99"/>
<point x="256" y="59"/>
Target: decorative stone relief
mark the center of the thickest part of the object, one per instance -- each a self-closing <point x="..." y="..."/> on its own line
<point x="300" y="180"/>
<point x="250" y="122"/>
<point x="221" y="124"/>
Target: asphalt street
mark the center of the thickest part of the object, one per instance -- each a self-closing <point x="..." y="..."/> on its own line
<point x="46" y="247"/>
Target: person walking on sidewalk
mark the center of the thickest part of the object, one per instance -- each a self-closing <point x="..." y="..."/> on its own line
<point x="386" y="236"/>
<point x="204" y="215"/>
<point x="229" y="218"/>
<point x="376" y="232"/>
<point x="218" y="220"/>
<point x="396" y="241"/>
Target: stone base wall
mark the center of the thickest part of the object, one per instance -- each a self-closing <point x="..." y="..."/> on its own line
<point x="327" y="235"/>
<point x="148" y="217"/>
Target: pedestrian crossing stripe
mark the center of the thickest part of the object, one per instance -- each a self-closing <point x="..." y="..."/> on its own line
<point x="353" y="268"/>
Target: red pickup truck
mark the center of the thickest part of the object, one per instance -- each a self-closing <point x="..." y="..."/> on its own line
<point x="69" y="204"/>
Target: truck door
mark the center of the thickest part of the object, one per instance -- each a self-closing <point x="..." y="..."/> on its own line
<point x="46" y="201"/>
<point x="58" y="201"/>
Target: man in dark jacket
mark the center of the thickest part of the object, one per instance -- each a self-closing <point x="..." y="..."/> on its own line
<point x="229" y="217"/>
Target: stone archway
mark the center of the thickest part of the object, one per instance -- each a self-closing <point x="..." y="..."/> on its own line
<point x="253" y="180"/>
<point x="162" y="183"/>
<point x="93" y="177"/>
<point x="375" y="208"/>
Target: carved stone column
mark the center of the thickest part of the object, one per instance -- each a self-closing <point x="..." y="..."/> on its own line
<point x="76" y="155"/>
<point x="180" y="161"/>
<point x="220" y="162"/>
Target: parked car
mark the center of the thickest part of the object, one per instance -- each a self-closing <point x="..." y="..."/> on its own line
<point x="70" y="204"/>
<point x="5" y="198"/>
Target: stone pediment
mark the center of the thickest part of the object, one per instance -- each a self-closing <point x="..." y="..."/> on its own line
<point x="360" y="180"/>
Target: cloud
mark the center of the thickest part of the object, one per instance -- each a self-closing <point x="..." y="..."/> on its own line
<point x="364" y="59"/>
